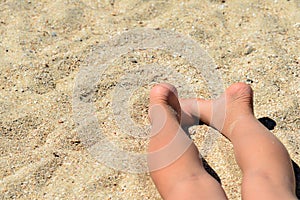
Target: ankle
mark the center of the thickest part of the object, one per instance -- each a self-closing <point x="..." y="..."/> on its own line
<point x="241" y="122"/>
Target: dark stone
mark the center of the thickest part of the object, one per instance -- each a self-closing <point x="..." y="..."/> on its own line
<point x="267" y="122"/>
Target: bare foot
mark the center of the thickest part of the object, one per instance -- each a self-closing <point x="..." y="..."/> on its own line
<point x="221" y="113"/>
<point x="164" y="109"/>
<point x="173" y="159"/>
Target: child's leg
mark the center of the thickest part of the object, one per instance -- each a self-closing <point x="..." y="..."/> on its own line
<point x="264" y="161"/>
<point x="185" y="178"/>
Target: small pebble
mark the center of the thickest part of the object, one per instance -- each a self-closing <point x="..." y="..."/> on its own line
<point x="133" y="60"/>
<point x="249" y="81"/>
<point x="249" y="49"/>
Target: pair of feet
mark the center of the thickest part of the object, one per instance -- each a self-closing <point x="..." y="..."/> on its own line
<point x="221" y="113"/>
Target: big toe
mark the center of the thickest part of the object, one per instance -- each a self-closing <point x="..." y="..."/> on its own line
<point x="164" y="95"/>
<point x="239" y="91"/>
<point x="161" y="93"/>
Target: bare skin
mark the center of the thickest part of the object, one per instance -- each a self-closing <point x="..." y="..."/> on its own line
<point x="264" y="161"/>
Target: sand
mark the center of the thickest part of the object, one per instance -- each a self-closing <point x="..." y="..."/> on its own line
<point x="44" y="44"/>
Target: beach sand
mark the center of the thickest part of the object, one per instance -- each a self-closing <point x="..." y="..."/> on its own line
<point x="44" y="44"/>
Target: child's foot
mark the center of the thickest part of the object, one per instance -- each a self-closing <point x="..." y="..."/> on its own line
<point x="221" y="113"/>
<point x="168" y="143"/>
<point x="173" y="159"/>
<point x="164" y="109"/>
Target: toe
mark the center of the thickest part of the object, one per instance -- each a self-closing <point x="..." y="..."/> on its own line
<point x="161" y="93"/>
<point x="240" y="90"/>
<point x="166" y="95"/>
